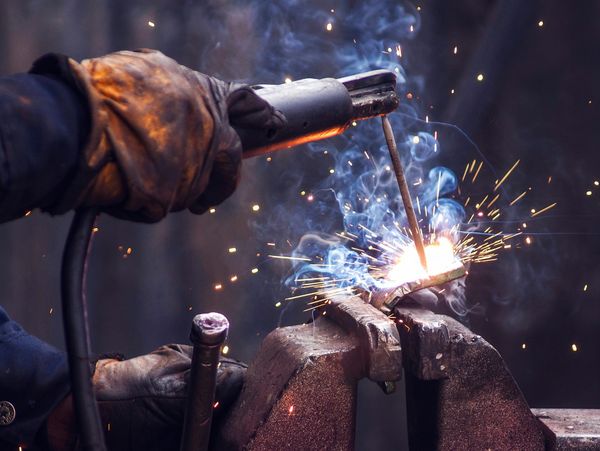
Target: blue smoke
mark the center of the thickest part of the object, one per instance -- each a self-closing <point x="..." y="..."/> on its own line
<point x="318" y="42"/>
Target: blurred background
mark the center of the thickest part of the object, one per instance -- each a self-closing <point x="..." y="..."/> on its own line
<point x="520" y="79"/>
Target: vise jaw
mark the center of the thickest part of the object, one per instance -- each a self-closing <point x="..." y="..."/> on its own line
<point x="301" y="390"/>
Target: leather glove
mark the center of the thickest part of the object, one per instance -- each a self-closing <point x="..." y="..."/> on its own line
<point x="161" y="135"/>
<point x="142" y="400"/>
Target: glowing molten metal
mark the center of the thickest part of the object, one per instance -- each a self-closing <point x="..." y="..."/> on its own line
<point x="441" y="258"/>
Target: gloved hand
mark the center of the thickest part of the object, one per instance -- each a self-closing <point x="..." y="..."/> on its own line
<point x="142" y="400"/>
<point x="161" y="135"/>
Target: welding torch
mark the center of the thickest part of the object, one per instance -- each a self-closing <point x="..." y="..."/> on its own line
<point x="316" y="109"/>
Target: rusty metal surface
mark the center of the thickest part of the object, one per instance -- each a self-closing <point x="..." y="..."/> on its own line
<point x="301" y="389"/>
<point x="378" y="335"/>
<point x="570" y="429"/>
<point x="460" y="395"/>
<point x="300" y="392"/>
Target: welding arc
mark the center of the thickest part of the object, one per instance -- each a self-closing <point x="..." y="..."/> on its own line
<point x="404" y="192"/>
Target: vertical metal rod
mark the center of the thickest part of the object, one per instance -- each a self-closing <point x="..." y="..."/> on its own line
<point x="404" y="192"/>
<point x="209" y="331"/>
<point x="73" y="274"/>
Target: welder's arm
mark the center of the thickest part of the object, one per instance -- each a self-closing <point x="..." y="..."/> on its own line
<point x="132" y="133"/>
<point x="33" y="380"/>
<point x="43" y="125"/>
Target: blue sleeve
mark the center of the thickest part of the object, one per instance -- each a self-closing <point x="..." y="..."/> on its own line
<point x="43" y="125"/>
<point x="33" y="379"/>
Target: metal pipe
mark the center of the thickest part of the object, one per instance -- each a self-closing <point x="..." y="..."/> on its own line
<point x="73" y="272"/>
<point x="404" y="192"/>
<point x="209" y="331"/>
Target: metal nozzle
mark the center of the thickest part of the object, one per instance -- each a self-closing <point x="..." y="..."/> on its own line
<point x="319" y="109"/>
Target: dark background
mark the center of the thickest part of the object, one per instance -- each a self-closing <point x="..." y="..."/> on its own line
<point x="538" y="102"/>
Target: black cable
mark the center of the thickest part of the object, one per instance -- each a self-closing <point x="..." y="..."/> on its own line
<point x="73" y="274"/>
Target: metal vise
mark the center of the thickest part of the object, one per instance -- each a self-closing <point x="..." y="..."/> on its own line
<point x="301" y="388"/>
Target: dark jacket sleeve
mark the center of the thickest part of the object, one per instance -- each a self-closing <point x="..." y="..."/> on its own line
<point x="33" y="380"/>
<point x="43" y="127"/>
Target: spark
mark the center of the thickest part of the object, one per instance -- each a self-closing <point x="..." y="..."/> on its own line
<point x="480" y="77"/>
<point x="255" y="207"/>
<point x="151" y="24"/>
<point x="465" y="173"/>
<point x="225" y="350"/>
<point x="218" y="286"/>
<point x="216" y="404"/>
<point x="518" y="198"/>
<point x="574" y="347"/>
<point x="541" y="23"/>
<point x="533" y="215"/>
<point x="329" y="26"/>
<point x="455" y="50"/>
<point x="287" y="80"/>
<point x="285" y="257"/>
<point x="232" y="250"/>
<point x="291" y="410"/>
<point x="524" y="346"/>
<point x="585" y="287"/>
<point x="477" y="172"/>
<point x="212" y="210"/>
<point x="254" y="270"/>
<point x="502" y="180"/>
<point x="278" y="304"/>
<point x="233" y="278"/>
<point x="588" y="193"/>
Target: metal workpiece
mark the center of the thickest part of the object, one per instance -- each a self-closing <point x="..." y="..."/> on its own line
<point x="460" y="394"/>
<point x="301" y="389"/>
<point x="209" y="331"/>
<point x="316" y="109"/>
<point x="570" y="429"/>
<point x="378" y="335"/>
<point x="385" y="299"/>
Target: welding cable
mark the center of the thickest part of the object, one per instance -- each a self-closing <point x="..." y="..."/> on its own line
<point x="73" y="278"/>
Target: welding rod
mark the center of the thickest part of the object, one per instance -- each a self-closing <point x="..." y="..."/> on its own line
<point x="209" y="331"/>
<point x="404" y="192"/>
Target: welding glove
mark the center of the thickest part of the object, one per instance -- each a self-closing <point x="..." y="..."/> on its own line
<point x="161" y="135"/>
<point x="142" y="400"/>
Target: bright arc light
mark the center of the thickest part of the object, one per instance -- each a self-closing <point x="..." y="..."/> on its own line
<point x="440" y="258"/>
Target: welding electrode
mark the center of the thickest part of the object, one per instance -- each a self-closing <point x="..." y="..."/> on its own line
<point x="404" y="192"/>
<point x="209" y="331"/>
